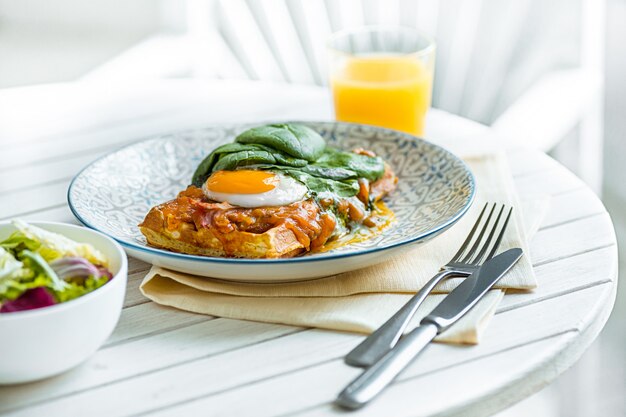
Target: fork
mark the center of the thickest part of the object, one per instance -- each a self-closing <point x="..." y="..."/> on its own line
<point x="467" y="260"/>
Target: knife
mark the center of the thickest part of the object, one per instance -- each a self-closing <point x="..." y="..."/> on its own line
<point x="465" y="296"/>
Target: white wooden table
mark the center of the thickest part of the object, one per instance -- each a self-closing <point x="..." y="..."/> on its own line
<point x="160" y="361"/>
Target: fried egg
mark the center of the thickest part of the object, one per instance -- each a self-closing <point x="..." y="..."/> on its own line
<point x="253" y="188"/>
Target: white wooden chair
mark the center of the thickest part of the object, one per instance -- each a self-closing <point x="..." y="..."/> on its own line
<point x="531" y="69"/>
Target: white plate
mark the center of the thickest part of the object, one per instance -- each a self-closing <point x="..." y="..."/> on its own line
<point x="114" y="193"/>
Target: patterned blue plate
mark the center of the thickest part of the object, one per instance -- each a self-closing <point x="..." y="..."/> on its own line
<point x="114" y="193"/>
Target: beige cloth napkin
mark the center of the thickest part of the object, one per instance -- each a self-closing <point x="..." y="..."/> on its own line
<point x="360" y="301"/>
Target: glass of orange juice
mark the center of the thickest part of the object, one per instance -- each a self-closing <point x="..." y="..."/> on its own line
<point x="382" y="76"/>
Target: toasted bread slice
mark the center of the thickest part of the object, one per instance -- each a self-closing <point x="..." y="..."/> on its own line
<point x="276" y="242"/>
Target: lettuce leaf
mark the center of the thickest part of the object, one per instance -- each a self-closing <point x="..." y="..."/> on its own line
<point x="51" y="245"/>
<point x="37" y="263"/>
<point x="80" y="287"/>
<point x="10" y="268"/>
<point x="10" y="289"/>
<point x="11" y="272"/>
<point x="17" y="242"/>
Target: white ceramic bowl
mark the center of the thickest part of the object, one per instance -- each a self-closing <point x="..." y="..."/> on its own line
<point x="44" y="342"/>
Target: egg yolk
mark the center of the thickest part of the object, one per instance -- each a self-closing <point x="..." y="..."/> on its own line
<point x="241" y="182"/>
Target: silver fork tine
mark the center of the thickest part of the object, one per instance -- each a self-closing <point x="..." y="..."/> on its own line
<point x="469" y="236"/>
<point x="501" y="235"/>
<point x="472" y="251"/>
<point x="479" y="258"/>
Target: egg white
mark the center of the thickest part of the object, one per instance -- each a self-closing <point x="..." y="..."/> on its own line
<point x="287" y="191"/>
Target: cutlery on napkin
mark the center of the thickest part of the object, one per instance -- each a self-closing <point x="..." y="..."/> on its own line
<point x="380" y="374"/>
<point x="362" y="300"/>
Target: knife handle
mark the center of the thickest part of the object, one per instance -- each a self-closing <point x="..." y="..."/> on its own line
<point x="374" y="347"/>
<point x="373" y="380"/>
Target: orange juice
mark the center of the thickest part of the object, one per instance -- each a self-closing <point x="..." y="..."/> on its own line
<point x="392" y="91"/>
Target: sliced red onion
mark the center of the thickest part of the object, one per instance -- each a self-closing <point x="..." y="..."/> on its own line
<point x="77" y="267"/>
<point x="105" y="272"/>
<point x="29" y="300"/>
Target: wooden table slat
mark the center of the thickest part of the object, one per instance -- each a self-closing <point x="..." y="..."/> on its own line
<point x="565" y="276"/>
<point x="57" y="213"/>
<point x="587" y="234"/>
<point x="61" y="169"/>
<point x="149" y="319"/>
<point x="431" y="393"/>
<point x="38" y="197"/>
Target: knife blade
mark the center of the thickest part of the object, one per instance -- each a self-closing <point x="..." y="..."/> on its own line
<point x="465" y="296"/>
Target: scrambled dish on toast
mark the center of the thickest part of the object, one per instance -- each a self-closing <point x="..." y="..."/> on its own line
<point x="276" y="191"/>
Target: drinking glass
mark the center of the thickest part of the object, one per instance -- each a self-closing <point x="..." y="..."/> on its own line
<point x="382" y="76"/>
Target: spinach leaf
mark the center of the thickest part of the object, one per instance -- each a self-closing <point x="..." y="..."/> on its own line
<point x="338" y="174"/>
<point x="233" y="155"/>
<point x="204" y="169"/>
<point x="324" y="187"/>
<point x="299" y="152"/>
<point x="296" y="140"/>
<point x="319" y="186"/>
<point x="364" y="166"/>
<point x="230" y="161"/>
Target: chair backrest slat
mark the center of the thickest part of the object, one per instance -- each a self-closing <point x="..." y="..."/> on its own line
<point x="212" y="57"/>
<point x="311" y="21"/>
<point x="427" y="16"/>
<point x="502" y="27"/>
<point x="278" y="28"/>
<point x="349" y="12"/>
<point x="408" y="13"/>
<point x="224" y="63"/>
<point x="242" y="32"/>
<point x="463" y="28"/>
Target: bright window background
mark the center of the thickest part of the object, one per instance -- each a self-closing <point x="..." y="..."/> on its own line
<point x="49" y="41"/>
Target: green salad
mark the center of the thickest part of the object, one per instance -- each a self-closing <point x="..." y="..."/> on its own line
<point x="39" y="268"/>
